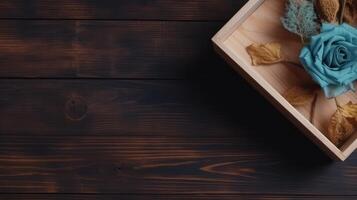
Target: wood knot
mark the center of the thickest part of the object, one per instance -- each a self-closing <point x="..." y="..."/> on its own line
<point x="76" y="108"/>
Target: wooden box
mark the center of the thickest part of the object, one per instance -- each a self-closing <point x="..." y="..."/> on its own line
<point x="259" y="22"/>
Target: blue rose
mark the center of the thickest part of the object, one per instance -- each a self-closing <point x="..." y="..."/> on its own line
<point x="331" y="58"/>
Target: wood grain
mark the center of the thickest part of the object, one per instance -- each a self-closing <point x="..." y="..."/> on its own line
<point x="123" y="9"/>
<point x="169" y="197"/>
<point x="171" y="107"/>
<point x="126" y="49"/>
<point x="69" y="129"/>
<point x="155" y="137"/>
<point x="161" y="165"/>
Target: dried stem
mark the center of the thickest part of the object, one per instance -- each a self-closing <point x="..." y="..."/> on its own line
<point x="337" y="103"/>
<point x="343" y="6"/>
<point x="313" y="106"/>
<point x="291" y="63"/>
<point x="302" y="39"/>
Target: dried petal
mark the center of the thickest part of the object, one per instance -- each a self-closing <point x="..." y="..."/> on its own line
<point x="299" y="96"/>
<point x="264" y="54"/>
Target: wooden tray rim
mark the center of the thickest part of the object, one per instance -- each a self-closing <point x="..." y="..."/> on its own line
<point x="255" y="79"/>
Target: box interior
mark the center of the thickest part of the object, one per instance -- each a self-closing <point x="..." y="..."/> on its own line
<point x="263" y="26"/>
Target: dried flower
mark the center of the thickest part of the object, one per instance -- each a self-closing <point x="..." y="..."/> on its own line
<point x="330" y="59"/>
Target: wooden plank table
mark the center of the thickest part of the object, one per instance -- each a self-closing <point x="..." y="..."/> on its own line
<point x="106" y="99"/>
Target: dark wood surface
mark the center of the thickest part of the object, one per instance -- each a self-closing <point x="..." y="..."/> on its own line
<point x="127" y="100"/>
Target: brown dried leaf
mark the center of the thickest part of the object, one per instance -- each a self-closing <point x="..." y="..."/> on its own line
<point x="349" y="111"/>
<point x="350" y="13"/>
<point x="343" y="124"/>
<point x="299" y="96"/>
<point x="265" y="54"/>
<point x="340" y="129"/>
<point x="328" y="10"/>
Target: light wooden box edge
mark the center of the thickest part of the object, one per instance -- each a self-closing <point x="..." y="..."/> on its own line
<point x="269" y="92"/>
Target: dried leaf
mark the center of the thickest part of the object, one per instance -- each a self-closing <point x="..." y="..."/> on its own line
<point x="265" y="54"/>
<point x="349" y="110"/>
<point x="350" y="13"/>
<point x="328" y="9"/>
<point x="300" y="18"/>
<point x="340" y="129"/>
<point x="299" y="96"/>
<point x="343" y="124"/>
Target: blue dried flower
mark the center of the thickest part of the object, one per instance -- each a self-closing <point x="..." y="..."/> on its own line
<point x="331" y="58"/>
